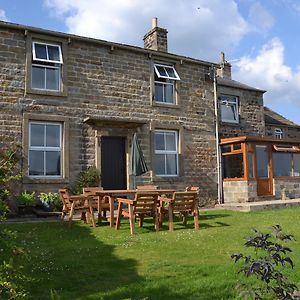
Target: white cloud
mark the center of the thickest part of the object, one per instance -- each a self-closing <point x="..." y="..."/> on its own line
<point x="260" y="19"/>
<point x="198" y="28"/>
<point x="268" y="71"/>
<point x="3" y="15"/>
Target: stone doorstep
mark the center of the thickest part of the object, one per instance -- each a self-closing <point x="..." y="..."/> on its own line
<point x="260" y="205"/>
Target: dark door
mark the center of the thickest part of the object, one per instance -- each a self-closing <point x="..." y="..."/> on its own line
<point x="113" y="163"/>
<point x="264" y="172"/>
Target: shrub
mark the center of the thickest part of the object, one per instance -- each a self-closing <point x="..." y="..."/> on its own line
<point x="88" y="178"/>
<point x="11" y="277"/>
<point x="51" y="199"/>
<point x="266" y="265"/>
<point x="26" y="198"/>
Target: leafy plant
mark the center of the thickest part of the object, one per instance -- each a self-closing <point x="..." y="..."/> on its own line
<point x="26" y="198"/>
<point x="51" y="199"/>
<point x="88" y="178"/>
<point x="266" y="265"/>
<point x="11" y="276"/>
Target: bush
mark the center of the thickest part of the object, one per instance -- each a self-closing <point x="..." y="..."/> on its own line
<point x="52" y="200"/>
<point x="266" y="265"/>
<point x="26" y="198"/>
<point x="88" y="178"/>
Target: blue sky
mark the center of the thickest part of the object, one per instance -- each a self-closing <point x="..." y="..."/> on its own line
<point x="259" y="37"/>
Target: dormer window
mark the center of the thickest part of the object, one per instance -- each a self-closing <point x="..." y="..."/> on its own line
<point x="47" y="63"/>
<point x="165" y="77"/>
<point x="229" y="109"/>
<point x="278" y="133"/>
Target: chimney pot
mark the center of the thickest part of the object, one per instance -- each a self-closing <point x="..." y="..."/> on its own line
<point x="154" y="22"/>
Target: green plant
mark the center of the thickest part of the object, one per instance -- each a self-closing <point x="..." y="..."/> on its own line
<point x="88" y="178"/>
<point x="51" y="199"/>
<point x="26" y="198"/>
<point x="11" y="275"/>
<point x="266" y="265"/>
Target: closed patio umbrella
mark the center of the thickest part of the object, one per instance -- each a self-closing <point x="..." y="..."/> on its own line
<point x="138" y="165"/>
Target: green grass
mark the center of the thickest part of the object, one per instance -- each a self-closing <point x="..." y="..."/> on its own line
<point x="82" y="262"/>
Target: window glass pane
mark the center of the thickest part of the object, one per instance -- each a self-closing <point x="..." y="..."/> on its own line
<point x="171" y="72"/>
<point x="250" y="165"/>
<point x="171" y="160"/>
<point x="228" y="112"/>
<point x="282" y="164"/>
<point x="38" y="77"/>
<point x="53" y="163"/>
<point x="226" y="148"/>
<point x="161" y="71"/>
<point x="53" y="135"/>
<point x="159" y="92"/>
<point x="36" y="163"/>
<point x="37" y="135"/>
<point x="171" y="141"/>
<point x="40" y="51"/>
<point x="296" y="164"/>
<point x="169" y="93"/>
<point x="237" y="147"/>
<point x="159" y="141"/>
<point x="52" y="79"/>
<point x="262" y="161"/>
<point x="53" y="52"/>
<point x="160" y="164"/>
<point x="233" y="166"/>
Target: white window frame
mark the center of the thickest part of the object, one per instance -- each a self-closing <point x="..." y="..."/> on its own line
<point x="278" y="133"/>
<point x="46" y="149"/>
<point x="232" y="101"/>
<point x="166" y="152"/>
<point x="60" y="61"/>
<point x="166" y="67"/>
<point x="47" y="64"/>
<point x="45" y="81"/>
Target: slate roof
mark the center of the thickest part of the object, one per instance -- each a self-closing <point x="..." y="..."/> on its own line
<point x="236" y="84"/>
<point x="274" y="118"/>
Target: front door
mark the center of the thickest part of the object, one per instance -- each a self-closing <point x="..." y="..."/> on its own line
<point x="113" y="163"/>
<point x="264" y="172"/>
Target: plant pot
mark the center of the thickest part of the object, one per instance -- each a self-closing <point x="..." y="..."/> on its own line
<point x="25" y="209"/>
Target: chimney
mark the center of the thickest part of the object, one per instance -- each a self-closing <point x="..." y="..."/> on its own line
<point x="224" y="71"/>
<point x="156" y="38"/>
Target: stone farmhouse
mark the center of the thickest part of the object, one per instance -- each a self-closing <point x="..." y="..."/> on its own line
<point x="73" y="102"/>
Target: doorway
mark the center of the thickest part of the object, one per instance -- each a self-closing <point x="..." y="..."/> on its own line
<point x="113" y="163"/>
<point x="264" y="171"/>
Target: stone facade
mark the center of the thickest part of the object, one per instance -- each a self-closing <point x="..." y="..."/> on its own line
<point x="286" y="188"/>
<point x="239" y="191"/>
<point x="107" y="81"/>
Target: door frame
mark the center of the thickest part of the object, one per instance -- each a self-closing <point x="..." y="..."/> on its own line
<point x="264" y="184"/>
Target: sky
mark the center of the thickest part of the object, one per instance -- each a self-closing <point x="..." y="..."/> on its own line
<point x="260" y="38"/>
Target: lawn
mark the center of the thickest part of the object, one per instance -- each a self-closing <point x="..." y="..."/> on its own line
<point x="82" y="262"/>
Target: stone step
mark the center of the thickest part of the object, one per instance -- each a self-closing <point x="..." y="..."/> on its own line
<point x="260" y="205"/>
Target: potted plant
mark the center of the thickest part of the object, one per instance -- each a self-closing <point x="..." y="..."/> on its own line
<point x="51" y="201"/>
<point x="26" y="201"/>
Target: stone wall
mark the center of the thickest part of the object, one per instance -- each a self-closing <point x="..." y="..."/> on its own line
<point x="239" y="191"/>
<point x="289" y="132"/>
<point x="286" y="188"/>
<point x="106" y="82"/>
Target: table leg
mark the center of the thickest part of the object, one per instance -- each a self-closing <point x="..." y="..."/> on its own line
<point x="111" y="211"/>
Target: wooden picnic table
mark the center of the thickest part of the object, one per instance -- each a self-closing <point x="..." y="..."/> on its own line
<point x="114" y="194"/>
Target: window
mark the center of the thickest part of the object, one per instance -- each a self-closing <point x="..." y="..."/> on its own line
<point x="45" y="149"/>
<point x="229" y="109"/>
<point x="233" y="166"/>
<point x="282" y="164"/>
<point x="166" y="152"/>
<point x="47" y="63"/>
<point x="164" y="82"/>
<point x="278" y="133"/>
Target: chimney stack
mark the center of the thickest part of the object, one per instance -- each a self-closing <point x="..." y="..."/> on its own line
<point x="156" y="38"/>
<point x="224" y="71"/>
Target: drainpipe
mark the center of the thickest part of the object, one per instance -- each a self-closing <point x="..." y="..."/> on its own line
<point x="213" y="76"/>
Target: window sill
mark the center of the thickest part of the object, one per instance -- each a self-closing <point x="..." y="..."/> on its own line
<point x="47" y="92"/>
<point x="230" y="123"/>
<point x="165" y="105"/>
<point x="168" y="179"/>
<point x="45" y="180"/>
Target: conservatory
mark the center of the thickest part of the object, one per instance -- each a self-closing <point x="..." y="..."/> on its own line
<point x="256" y="169"/>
